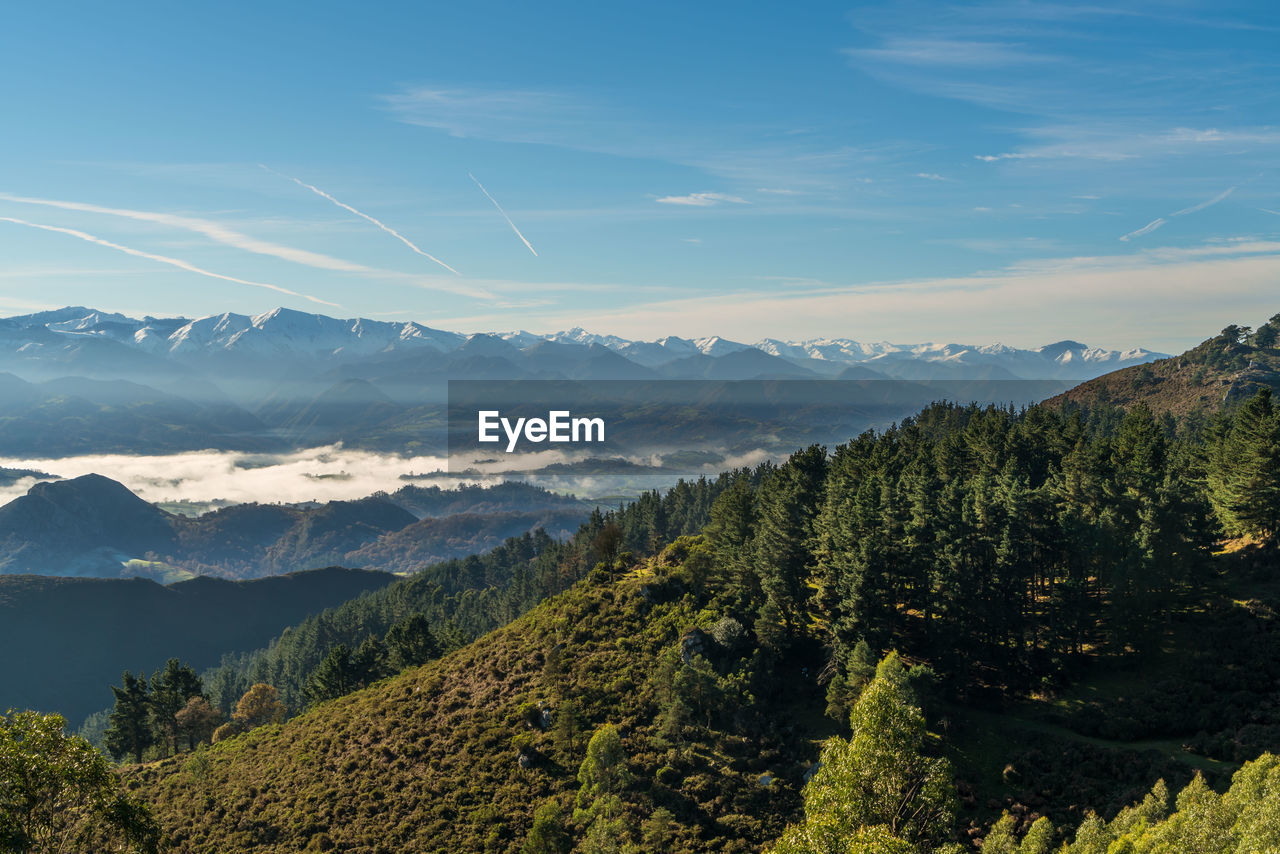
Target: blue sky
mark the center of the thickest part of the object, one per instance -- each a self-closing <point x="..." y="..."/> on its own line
<point x="1009" y="171"/>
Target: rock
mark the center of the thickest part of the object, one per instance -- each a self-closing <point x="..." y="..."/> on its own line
<point x="694" y="642"/>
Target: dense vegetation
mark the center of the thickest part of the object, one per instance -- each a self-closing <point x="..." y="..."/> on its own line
<point x="881" y="792"/>
<point x="1004" y="548"/>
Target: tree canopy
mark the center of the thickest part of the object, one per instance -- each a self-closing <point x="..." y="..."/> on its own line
<point x="57" y="793"/>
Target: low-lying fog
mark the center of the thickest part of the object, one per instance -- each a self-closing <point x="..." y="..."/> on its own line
<point x="332" y="473"/>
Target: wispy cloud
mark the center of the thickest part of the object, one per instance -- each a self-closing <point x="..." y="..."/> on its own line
<point x="945" y="52"/>
<point x="523" y="239"/>
<point x="514" y="115"/>
<point x="992" y="158"/>
<point x="1154" y="87"/>
<point x="702" y="200"/>
<point x="749" y="153"/>
<point x="1122" y="140"/>
<point x="388" y="229"/>
<point x="932" y="176"/>
<point x="164" y="259"/>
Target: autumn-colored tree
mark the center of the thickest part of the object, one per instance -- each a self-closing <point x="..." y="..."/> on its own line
<point x="259" y="705"/>
<point x="196" y="721"/>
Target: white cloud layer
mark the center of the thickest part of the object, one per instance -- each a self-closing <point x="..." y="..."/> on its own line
<point x="1162" y="298"/>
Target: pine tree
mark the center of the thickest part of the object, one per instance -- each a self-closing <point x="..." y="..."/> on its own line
<point x="730" y="532"/>
<point x="1244" y="469"/>
<point x="171" y="688"/>
<point x="1268" y="334"/>
<point x="410" y="642"/>
<point x="335" y="677"/>
<point x="784" y="541"/>
<point x="566" y="730"/>
<point x="130" y="731"/>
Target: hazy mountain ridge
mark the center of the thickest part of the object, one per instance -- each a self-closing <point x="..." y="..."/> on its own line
<point x="92" y="526"/>
<point x="79" y="633"/>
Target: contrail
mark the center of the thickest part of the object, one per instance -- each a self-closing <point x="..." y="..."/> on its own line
<point x="213" y="230"/>
<point x="388" y="229"/>
<point x="1207" y="204"/>
<point x="504" y="214"/>
<point x="1159" y="221"/>
<point x="164" y="259"/>
<point x="1146" y="229"/>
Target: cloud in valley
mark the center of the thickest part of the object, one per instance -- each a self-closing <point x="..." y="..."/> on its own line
<point x="326" y="473"/>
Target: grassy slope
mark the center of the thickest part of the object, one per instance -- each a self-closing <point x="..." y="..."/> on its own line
<point x="425" y="762"/>
<point x="1200" y="380"/>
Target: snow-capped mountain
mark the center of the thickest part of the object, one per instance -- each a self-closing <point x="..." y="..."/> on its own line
<point x="76" y="380"/>
<point x="285" y="337"/>
<point x="287" y="332"/>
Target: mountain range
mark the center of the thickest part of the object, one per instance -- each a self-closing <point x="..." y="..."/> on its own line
<point x="80" y="381"/>
<point x="284" y="340"/>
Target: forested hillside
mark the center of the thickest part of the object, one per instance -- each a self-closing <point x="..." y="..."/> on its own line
<point x="462" y="599"/>
<point x="1049" y="579"/>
